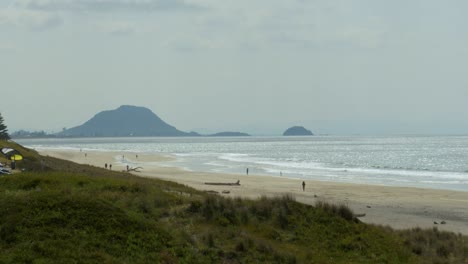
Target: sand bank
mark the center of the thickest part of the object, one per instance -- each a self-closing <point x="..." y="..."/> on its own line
<point x="397" y="207"/>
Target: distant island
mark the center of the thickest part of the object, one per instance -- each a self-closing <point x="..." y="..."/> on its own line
<point x="297" y="131"/>
<point x="126" y="121"/>
<point x="230" y="134"/>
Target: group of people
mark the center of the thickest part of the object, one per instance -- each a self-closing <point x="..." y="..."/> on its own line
<point x="123" y="158"/>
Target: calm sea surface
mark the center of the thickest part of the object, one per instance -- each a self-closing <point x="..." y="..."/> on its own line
<point x="439" y="162"/>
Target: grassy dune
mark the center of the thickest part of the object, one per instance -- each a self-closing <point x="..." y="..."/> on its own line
<point x="58" y="211"/>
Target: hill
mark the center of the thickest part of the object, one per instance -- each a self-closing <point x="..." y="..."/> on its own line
<point x="62" y="212"/>
<point x="297" y="131"/>
<point x="125" y="121"/>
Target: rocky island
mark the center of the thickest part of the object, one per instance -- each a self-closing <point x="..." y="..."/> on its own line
<point x="297" y="131"/>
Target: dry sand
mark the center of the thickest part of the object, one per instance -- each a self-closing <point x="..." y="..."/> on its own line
<point x="397" y="207"/>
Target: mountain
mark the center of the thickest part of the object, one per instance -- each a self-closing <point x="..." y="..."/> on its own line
<point x="125" y="121"/>
<point x="297" y="131"/>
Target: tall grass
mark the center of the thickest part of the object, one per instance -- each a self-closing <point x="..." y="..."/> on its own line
<point x="340" y="210"/>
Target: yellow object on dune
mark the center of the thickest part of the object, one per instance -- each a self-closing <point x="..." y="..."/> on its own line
<point x="16" y="157"/>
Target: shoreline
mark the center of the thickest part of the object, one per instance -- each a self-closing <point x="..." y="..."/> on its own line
<point x="397" y="207"/>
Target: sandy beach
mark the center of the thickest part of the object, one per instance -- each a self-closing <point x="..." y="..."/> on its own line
<point x="397" y="207"/>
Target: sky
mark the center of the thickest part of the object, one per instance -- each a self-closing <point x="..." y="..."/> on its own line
<point x="256" y="66"/>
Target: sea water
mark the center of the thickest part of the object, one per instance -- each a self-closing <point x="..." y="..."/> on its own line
<point x="439" y="162"/>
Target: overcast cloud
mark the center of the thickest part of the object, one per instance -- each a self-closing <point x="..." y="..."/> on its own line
<point x="340" y="67"/>
<point x="104" y="5"/>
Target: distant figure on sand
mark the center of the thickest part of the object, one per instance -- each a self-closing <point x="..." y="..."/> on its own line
<point x="85" y="155"/>
<point x="105" y="165"/>
<point x="247" y="171"/>
<point x="303" y="186"/>
<point x="128" y="168"/>
<point x="110" y="166"/>
<point x="136" y="156"/>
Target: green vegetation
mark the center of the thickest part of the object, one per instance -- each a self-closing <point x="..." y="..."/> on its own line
<point x="59" y="211"/>
<point x="3" y="129"/>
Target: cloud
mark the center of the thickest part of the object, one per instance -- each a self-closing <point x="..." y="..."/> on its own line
<point x="362" y="37"/>
<point x="30" y="19"/>
<point x="117" y="28"/>
<point x="105" y="5"/>
<point x="6" y="46"/>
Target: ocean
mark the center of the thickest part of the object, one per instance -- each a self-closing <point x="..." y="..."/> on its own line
<point x="439" y="162"/>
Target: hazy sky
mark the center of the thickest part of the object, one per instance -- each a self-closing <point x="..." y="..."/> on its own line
<point x="257" y="66"/>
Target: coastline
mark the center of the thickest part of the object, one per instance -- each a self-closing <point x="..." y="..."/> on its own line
<point x="398" y="207"/>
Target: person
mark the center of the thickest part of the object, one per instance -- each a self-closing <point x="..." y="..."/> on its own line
<point x="247" y="171"/>
<point x="110" y="166"/>
<point x="105" y="165"/>
<point x="85" y="155"/>
<point x="136" y="156"/>
<point x="303" y="186"/>
<point x="128" y="168"/>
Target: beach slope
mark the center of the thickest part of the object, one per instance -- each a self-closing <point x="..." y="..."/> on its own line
<point x="397" y="207"/>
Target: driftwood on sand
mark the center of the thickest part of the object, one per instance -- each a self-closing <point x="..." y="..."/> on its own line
<point x="137" y="169"/>
<point x="224" y="183"/>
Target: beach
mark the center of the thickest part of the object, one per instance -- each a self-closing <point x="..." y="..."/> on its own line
<point x="397" y="207"/>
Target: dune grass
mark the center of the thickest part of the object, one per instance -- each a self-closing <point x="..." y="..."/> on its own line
<point x="59" y="211"/>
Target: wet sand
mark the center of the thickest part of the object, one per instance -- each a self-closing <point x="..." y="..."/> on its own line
<point x="398" y="207"/>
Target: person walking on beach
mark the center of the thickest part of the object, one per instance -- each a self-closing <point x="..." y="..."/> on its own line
<point x="105" y="165"/>
<point x="110" y="166"/>
<point x="303" y="186"/>
<point x="247" y="171"/>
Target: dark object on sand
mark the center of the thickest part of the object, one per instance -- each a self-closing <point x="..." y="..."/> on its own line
<point x="134" y="169"/>
<point x="359" y="215"/>
<point x="222" y="183"/>
<point x="435" y="223"/>
<point x="368" y="206"/>
<point x="443" y="222"/>
<point x="226" y="192"/>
